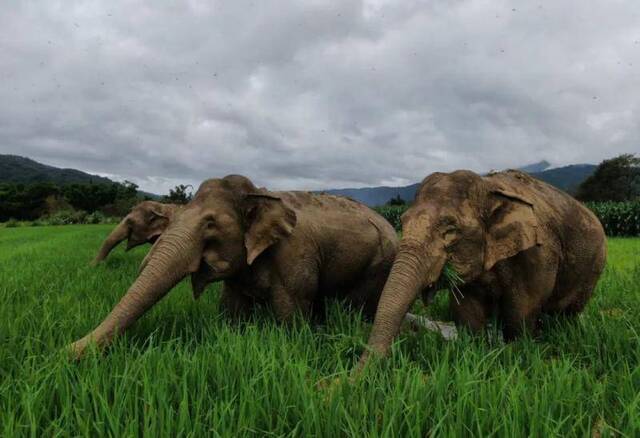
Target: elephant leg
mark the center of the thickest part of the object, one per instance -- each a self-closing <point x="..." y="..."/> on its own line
<point x="285" y="305"/>
<point x="526" y="287"/>
<point x="472" y="311"/>
<point x="574" y="289"/>
<point x="294" y="294"/>
<point x="366" y="293"/>
<point x="235" y="304"/>
<point x="518" y="315"/>
<point x="572" y="299"/>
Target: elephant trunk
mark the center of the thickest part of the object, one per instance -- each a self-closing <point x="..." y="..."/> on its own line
<point x="412" y="271"/>
<point x="170" y="264"/>
<point x="116" y="236"/>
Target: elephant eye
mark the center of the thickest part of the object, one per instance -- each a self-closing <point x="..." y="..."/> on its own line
<point x="210" y="222"/>
<point x="450" y="234"/>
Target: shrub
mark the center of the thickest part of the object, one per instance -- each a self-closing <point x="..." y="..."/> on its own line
<point x="95" y="218"/>
<point x="11" y="223"/>
<point x="67" y="217"/>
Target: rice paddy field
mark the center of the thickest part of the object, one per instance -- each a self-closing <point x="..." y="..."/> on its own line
<point x="183" y="370"/>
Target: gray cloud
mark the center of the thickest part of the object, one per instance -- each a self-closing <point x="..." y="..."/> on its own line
<point x="317" y="94"/>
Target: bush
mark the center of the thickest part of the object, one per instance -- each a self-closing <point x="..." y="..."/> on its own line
<point x="95" y="218"/>
<point x="67" y="217"/>
<point x="11" y="223"/>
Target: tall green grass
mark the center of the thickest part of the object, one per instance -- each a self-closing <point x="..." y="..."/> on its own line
<point x="183" y="370"/>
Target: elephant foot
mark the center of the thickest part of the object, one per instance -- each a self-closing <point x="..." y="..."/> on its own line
<point x="446" y="329"/>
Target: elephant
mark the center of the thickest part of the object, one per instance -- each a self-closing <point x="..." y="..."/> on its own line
<point x="521" y="247"/>
<point x="143" y="224"/>
<point x="286" y="250"/>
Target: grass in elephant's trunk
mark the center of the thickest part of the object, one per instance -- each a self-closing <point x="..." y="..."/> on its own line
<point x="450" y="280"/>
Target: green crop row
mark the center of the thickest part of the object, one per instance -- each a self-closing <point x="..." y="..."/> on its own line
<point x="617" y="218"/>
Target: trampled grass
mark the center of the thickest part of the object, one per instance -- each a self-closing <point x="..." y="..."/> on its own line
<point x="184" y="370"/>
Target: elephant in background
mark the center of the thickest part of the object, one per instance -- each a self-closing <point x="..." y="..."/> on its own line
<point x="288" y="250"/>
<point x="521" y="246"/>
<point x="143" y="224"/>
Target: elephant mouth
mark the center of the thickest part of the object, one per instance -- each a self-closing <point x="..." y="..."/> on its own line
<point x="133" y="242"/>
<point x="428" y="294"/>
<point x="205" y="275"/>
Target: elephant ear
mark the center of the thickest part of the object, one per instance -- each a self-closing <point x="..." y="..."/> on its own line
<point x="512" y="226"/>
<point x="158" y="213"/>
<point x="268" y="220"/>
<point x="158" y="222"/>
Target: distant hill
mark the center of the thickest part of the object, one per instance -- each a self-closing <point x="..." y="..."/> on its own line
<point x="18" y="169"/>
<point x="536" y="167"/>
<point x="567" y="178"/>
<point x="373" y="196"/>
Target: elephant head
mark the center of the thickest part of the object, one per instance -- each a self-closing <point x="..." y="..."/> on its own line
<point x="143" y="224"/>
<point x="462" y="219"/>
<point x="218" y="235"/>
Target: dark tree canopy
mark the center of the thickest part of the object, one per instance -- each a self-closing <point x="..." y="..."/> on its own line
<point x="31" y="201"/>
<point x="617" y="179"/>
<point x="396" y="200"/>
<point x="179" y="194"/>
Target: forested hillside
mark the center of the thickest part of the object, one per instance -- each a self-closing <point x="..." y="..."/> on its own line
<point x="18" y="169"/>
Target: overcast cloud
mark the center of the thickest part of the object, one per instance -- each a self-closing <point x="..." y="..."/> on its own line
<point x="315" y="94"/>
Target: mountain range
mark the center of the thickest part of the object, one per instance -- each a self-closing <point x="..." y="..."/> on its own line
<point x="18" y="169"/>
<point x="567" y="178"/>
<point x="14" y="168"/>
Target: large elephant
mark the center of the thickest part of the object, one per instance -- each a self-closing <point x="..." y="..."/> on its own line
<point x="143" y="224"/>
<point x="288" y="250"/>
<point x="521" y="246"/>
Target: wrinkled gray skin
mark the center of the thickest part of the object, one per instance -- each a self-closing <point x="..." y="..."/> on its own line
<point x="143" y="224"/>
<point x="521" y="246"/>
<point x="288" y="250"/>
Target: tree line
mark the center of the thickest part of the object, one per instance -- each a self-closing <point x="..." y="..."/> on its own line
<point x="614" y="180"/>
<point x="29" y="202"/>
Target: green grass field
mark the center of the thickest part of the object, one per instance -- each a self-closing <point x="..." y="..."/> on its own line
<point x="183" y="370"/>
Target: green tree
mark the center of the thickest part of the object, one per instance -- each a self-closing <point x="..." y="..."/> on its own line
<point x="617" y="179"/>
<point x="396" y="200"/>
<point x="24" y="201"/>
<point x="128" y="190"/>
<point x="179" y="194"/>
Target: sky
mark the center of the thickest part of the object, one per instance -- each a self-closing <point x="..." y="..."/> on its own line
<point x="313" y="94"/>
